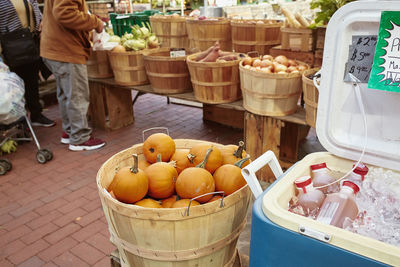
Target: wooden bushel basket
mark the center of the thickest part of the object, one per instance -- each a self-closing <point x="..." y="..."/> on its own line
<point x="169" y="237"/>
<point x="270" y="94"/>
<point x="214" y="82"/>
<point x="297" y="39"/>
<point x="170" y="31"/>
<point x="204" y="33"/>
<point x="310" y="97"/>
<point x="251" y="35"/>
<point x="167" y="75"/>
<point x="128" y="68"/>
<point x="98" y="65"/>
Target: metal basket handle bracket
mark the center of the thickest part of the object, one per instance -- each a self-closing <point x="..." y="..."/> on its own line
<point x="249" y="172"/>
<point x="154" y="128"/>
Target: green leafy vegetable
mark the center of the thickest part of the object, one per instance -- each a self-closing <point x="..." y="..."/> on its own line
<point x="326" y="9"/>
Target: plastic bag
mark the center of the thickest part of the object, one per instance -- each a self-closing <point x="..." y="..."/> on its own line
<point x="12" y="101"/>
<point x="101" y="41"/>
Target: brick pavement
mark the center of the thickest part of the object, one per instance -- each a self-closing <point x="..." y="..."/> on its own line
<point x="50" y="215"/>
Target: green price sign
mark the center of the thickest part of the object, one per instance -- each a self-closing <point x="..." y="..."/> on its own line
<point x="385" y="74"/>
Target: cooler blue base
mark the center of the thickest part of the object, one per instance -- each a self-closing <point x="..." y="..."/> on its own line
<point x="273" y="245"/>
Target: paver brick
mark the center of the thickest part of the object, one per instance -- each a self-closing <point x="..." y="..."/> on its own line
<point x="70" y="217"/>
<point x="78" y="193"/>
<point x="89" y="230"/>
<point x="87" y="253"/>
<point x="62" y="233"/>
<point x="57" y="194"/>
<point x="67" y="259"/>
<point x="57" y="249"/>
<point x="26" y="208"/>
<point x="104" y="262"/>
<point x="72" y="205"/>
<point x="90" y="217"/>
<point x="11" y="248"/>
<point x="14" y="235"/>
<point x="32" y="262"/>
<point x="39" y="233"/>
<point x="28" y="251"/>
<point x="5" y="263"/>
<point x="51" y="206"/>
<point x="102" y="243"/>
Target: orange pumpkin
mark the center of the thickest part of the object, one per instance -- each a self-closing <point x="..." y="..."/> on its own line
<point x="131" y="183"/>
<point x="214" y="198"/>
<point x="184" y="203"/>
<point x="158" y="143"/>
<point x="232" y="153"/>
<point x="149" y="203"/>
<point x="162" y="177"/>
<point x="168" y="202"/>
<point x="143" y="164"/>
<point x="196" y="181"/>
<point x="198" y="153"/>
<point x="181" y="159"/>
<point x="228" y="178"/>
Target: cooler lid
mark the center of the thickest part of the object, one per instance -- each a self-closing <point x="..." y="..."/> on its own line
<point x="340" y="123"/>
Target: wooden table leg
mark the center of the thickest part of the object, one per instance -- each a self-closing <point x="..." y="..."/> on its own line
<point x="263" y="133"/>
<point x="114" y="102"/>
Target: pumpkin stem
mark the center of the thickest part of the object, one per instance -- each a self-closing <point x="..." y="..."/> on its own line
<point x="240" y="163"/>
<point x="172" y="163"/>
<point x="239" y="151"/>
<point x="204" y="162"/>
<point x="191" y="157"/>
<point x="159" y="159"/>
<point x="135" y="168"/>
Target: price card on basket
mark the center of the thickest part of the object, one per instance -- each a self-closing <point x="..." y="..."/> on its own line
<point x="177" y="52"/>
<point x="385" y="74"/>
<point x="361" y="55"/>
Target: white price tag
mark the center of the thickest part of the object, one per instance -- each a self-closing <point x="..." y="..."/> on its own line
<point x="177" y="53"/>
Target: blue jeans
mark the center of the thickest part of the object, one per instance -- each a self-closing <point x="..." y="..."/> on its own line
<point x="73" y="98"/>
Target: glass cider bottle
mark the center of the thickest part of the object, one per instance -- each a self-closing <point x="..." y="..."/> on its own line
<point x="321" y="176"/>
<point x="309" y="198"/>
<point x="339" y="206"/>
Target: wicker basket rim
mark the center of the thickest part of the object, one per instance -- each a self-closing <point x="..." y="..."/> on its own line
<point x="190" y="60"/>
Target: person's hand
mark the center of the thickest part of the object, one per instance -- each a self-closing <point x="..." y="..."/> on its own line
<point x="100" y="28"/>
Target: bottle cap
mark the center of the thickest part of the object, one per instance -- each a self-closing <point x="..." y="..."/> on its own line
<point x="352" y="185"/>
<point x="302" y="182"/>
<point x="361" y="169"/>
<point x="318" y="166"/>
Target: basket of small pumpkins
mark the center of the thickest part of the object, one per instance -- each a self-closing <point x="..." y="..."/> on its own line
<point x="271" y="86"/>
<point x="169" y="202"/>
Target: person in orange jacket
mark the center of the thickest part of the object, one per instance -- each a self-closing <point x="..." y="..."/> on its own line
<point x="65" y="48"/>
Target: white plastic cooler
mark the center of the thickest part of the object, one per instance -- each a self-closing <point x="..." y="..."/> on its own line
<point x="281" y="238"/>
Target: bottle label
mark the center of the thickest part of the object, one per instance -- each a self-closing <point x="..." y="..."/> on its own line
<point x="327" y="212"/>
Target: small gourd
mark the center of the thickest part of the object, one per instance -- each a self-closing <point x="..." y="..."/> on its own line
<point x="198" y="152"/>
<point x="228" y="177"/>
<point x="158" y="143"/>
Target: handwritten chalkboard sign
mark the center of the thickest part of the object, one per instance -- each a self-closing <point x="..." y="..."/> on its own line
<point x="385" y="74"/>
<point x="361" y="55"/>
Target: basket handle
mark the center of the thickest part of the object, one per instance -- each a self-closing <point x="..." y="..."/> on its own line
<point x="317" y="79"/>
<point x="249" y="172"/>
<point x="253" y="52"/>
<point x="206" y="194"/>
<point x="154" y="128"/>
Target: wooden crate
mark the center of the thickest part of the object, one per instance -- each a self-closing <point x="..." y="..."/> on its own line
<point x="172" y="237"/>
<point x="214" y="82"/>
<point x="225" y="116"/>
<point x="318" y="57"/>
<point x="320" y="37"/>
<point x="251" y="35"/>
<point x="295" y="39"/>
<point x="306" y="57"/>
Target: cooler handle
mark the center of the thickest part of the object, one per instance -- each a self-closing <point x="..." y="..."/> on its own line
<point x="249" y="172"/>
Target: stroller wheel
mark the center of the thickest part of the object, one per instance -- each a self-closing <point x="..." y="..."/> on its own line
<point x="41" y="157"/>
<point x="48" y="154"/>
<point x="7" y="164"/>
<point x="3" y="168"/>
